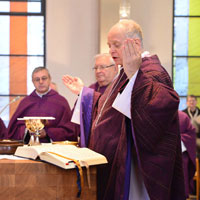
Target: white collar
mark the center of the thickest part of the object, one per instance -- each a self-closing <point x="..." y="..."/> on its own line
<point x="145" y="54"/>
<point x="41" y="95"/>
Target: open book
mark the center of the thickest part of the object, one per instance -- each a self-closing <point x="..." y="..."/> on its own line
<point x="61" y="155"/>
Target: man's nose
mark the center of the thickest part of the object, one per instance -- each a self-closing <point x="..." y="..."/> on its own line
<point x="40" y="80"/>
<point x="112" y="49"/>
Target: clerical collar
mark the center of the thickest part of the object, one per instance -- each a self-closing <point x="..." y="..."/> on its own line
<point x="145" y="54"/>
<point x="41" y="95"/>
<point x="193" y="114"/>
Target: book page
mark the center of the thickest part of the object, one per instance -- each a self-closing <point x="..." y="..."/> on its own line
<point x="27" y="152"/>
<point x="34" y="151"/>
<point x="66" y="153"/>
<point x="57" y="160"/>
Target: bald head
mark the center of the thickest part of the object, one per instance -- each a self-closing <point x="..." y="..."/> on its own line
<point x="130" y="28"/>
<point x="119" y="33"/>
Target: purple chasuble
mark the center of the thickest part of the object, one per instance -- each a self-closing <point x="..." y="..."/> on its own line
<point x="188" y="136"/>
<point x="154" y="113"/>
<point x="97" y="88"/>
<point x="3" y="129"/>
<point x="50" y="105"/>
<point x="156" y="143"/>
<point x="108" y="133"/>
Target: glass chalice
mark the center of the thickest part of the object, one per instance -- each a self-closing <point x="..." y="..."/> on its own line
<point x="34" y="126"/>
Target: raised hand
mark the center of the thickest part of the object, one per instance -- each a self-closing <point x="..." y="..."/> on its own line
<point x="75" y="84"/>
<point x="131" y="56"/>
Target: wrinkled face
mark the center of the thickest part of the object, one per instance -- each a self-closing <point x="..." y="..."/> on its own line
<point x="191" y="103"/>
<point x="116" y="38"/>
<point x="105" y="71"/>
<point x="41" y="81"/>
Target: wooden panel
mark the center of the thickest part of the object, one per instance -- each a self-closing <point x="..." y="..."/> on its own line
<point x="32" y="180"/>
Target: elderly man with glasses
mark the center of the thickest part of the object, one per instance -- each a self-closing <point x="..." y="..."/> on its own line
<point x="105" y="72"/>
<point x="43" y="102"/>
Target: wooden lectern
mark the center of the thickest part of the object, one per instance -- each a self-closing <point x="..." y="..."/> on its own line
<point x="34" y="180"/>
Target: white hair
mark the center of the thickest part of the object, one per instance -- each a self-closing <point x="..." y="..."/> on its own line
<point x="104" y="55"/>
<point x="131" y="28"/>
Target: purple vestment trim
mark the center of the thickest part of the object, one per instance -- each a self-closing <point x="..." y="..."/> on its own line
<point x="128" y="161"/>
<point x="86" y="115"/>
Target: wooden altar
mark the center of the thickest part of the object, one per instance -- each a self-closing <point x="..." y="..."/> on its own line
<point x="34" y="180"/>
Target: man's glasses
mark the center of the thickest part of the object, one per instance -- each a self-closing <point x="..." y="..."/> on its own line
<point x="44" y="78"/>
<point x="102" y="67"/>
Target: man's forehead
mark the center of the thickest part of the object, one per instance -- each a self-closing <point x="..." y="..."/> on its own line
<point x="103" y="59"/>
<point x="40" y="73"/>
<point x="191" y="99"/>
<point x="117" y="30"/>
<point x="114" y="37"/>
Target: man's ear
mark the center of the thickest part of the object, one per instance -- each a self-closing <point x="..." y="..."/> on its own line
<point x="138" y="41"/>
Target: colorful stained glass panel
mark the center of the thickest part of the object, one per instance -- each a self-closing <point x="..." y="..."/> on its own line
<point x="180" y="36"/>
<point x="35" y="35"/>
<point x="194" y="36"/>
<point x="181" y="78"/>
<point x="194" y="7"/>
<point x="181" y="7"/>
<point x="4" y="35"/>
<point x="194" y="76"/>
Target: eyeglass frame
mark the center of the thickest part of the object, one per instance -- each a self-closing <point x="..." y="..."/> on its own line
<point x="102" y="67"/>
<point x="43" y="78"/>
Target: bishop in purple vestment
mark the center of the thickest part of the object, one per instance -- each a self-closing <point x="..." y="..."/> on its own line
<point x="141" y="140"/>
<point x="44" y="102"/>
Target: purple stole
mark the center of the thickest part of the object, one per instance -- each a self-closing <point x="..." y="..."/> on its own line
<point x="86" y="115"/>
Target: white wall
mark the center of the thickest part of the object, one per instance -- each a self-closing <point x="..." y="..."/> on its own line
<point x="72" y="40"/>
<point x="75" y="27"/>
<point x="109" y="15"/>
<point x="155" y="18"/>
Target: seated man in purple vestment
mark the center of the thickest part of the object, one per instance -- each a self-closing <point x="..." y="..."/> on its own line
<point x="134" y="124"/>
<point x="45" y="102"/>
<point x="3" y="129"/>
<point x="188" y="138"/>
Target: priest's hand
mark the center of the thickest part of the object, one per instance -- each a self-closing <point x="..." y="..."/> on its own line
<point x="43" y="133"/>
<point x="131" y="56"/>
<point x="75" y="84"/>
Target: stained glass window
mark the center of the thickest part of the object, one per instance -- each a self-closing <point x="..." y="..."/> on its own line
<point x="22" y="48"/>
<point x="186" y="49"/>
